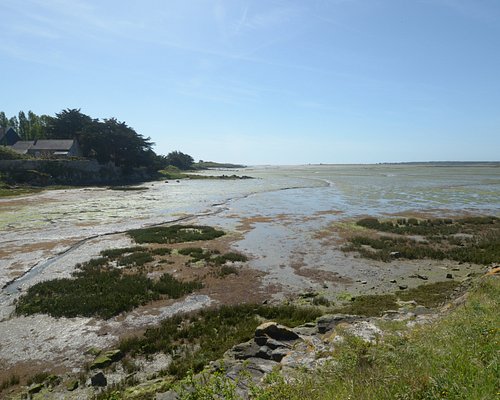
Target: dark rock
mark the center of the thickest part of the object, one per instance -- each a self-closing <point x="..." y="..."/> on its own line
<point x="308" y="295"/>
<point x="278" y="354"/>
<point x="423" y="277"/>
<point x="449" y="276"/>
<point x="245" y="350"/>
<point x="275" y="331"/>
<point x="99" y="380"/>
<point x="264" y="352"/>
<point x="328" y="322"/>
<point x="275" y="344"/>
<point x="393" y="281"/>
<point x="421" y="310"/>
<point x="403" y="287"/>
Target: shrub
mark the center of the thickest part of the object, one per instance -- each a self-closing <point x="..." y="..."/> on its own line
<point x="175" y="234"/>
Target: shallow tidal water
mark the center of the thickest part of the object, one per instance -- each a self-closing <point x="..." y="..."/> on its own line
<point x="37" y="227"/>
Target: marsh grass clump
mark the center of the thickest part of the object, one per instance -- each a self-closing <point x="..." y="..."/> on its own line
<point x="370" y="305"/>
<point x="115" y="253"/>
<point x="474" y="239"/>
<point x="136" y="259"/>
<point x="196" y="339"/>
<point x="429" y="295"/>
<point x="161" y="251"/>
<point x="175" y="234"/>
<point x="98" y="290"/>
<point x="214" y="258"/>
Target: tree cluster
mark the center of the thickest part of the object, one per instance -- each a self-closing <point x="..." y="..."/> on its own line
<point x="107" y="140"/>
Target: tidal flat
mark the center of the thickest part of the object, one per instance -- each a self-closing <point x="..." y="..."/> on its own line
<point x="290" y="222"/>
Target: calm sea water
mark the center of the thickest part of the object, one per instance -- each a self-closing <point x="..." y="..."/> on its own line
<point x="353" y="190"/>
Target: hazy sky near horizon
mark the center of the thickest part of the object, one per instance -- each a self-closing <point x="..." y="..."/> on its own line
<point x="267" y="81"/>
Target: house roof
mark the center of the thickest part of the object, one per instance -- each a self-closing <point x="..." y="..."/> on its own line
<point x="4" y="131"/>
<point x="22" y="146"/>
<point x="54" y="145"/>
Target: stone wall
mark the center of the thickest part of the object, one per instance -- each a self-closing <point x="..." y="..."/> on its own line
<point x="64" y="172"/>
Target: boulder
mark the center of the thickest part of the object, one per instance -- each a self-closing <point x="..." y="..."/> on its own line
<point x="275" y="331"/>
<point x="245" y="350"/>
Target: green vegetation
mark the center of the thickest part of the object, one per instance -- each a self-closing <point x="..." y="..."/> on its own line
<point x="428" y="295"/>
<point x="113" y="254"/>
<point x="179" y="160"/>
<point x="196" y="339"/>
<point x="454" y="358"/>
<point x="99" y="290"/>
<point x="173" y="173"/>
<point x="175" y="234"/>
<point x="370" y="305"/>
<point x="212" y="257"/>
<point x="473" y="239"/>
<point x="210" y="164"/>
<point x="7" y="153"/>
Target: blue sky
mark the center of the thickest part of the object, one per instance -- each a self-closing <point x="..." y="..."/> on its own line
<point x="267" y="81"/>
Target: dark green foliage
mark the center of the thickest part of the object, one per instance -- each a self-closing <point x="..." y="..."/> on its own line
<point x="170" y="286"/>
<point x="198" y="338"/>
<point x="230" y="257"/>
<point x="175" y="234"/>
<point x="113" y="254"/>
<point x="430" y="295"/>
<point x="135" y="259"/>
<point x="7" y="153"/>
<point x="212" y="257"/>
<point x="196" y="253"/>
<point x="98" y="290"/>
<point x="179" y="160"/>
<point x="161" y="251"/>
<point x="38" y="378"/>
<point x="225" y="270"/>
<point x="427" y="227"/>
<point x="478" y="243"/>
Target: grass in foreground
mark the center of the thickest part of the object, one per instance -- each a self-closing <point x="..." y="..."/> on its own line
<point x="455" y="358"/>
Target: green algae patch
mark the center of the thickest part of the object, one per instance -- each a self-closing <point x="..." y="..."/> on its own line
<point x="106" y="359"/>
